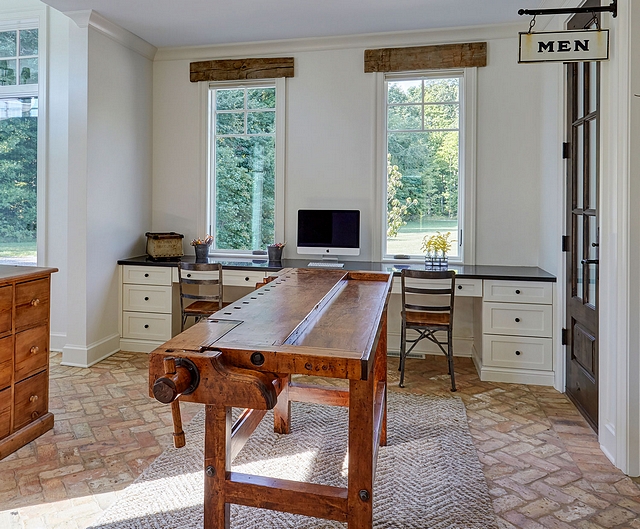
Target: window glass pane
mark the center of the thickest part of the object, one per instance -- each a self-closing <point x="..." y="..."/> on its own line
<point x="18" y="178"/>
<point x="404" y="118"/>
<point x="404" y="92"/>
<point x="230" y="123"/>
<point x="8" y="40"/>
<point x="579" y="174"/>
<point x="29" y="42"/>
<point x="28" y="71"/>
<point x="593" y="164"/>
<point x="579" y="256"/>
<point x="422" y="190"/>
<point x="245" y="192"/>
<point x="229" y="99"/>
<point x="261" y="98"/>
<point x="441" y="90"/>
<point x="7" y="72"/>
<point x="441" y="116"/>
<point x="261" y="122"/>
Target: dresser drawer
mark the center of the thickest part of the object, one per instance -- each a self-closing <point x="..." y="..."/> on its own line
<point x="518" y="291"/>
<point x="146" y="298"/>
<point x="32" y="303"/>
<point x="6" y="304"/>
<point x="519" y="353"/>
<point x="32" y="351"/>
<point x="6" y="361"/>
<point x="5" y="412"/>
<point x="147" y="275"/>
<point x="241" y="278"/>
<point x="464" y="287"/>
<point x="517" y="319"/>
<point x="30" y="399"/>
<point x="146" y="326"/>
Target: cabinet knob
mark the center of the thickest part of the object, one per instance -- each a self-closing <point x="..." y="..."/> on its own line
<point x="459" y="287"/>
<point x="34" y="302"/>
<point x="246" y="279"/>
<point x="34" y="349"/>
<point x="517" y="320"/>
<point x="33" y="398"/>
<point x="146" y="298"/>
<point x="517" y="292"/>
<point x="146" y="275"/>
<point x="146" y="325"/>
<point x="518" y="353"/>
<point x="35" y="415"/>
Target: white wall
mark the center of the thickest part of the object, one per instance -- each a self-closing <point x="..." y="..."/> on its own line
<point x="332" y="136"/>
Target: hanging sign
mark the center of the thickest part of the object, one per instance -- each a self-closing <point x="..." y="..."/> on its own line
<point x="565" y="46"/>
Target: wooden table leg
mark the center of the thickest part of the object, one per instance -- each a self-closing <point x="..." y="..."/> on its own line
<point x="282" y="410"/>
<point x="361" y="464"/>
<point x="217" y="460"/>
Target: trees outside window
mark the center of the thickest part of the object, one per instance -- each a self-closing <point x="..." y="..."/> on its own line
<point x="423" y="161"/>
<point x="243" y="168"/>
<point x="18" y="145"/>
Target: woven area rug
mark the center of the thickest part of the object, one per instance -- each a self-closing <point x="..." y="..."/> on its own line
<point x="428" y="476"/>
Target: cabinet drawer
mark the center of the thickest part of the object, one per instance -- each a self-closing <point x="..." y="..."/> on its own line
<point x="5" y="412"/>
<point x="146" y="326"/>
<point x="518" y="291"/>
<point x="518" y="353"/>
<point x="6" y="304"/>
<point x="241" y="278"/>
<point x="30" y="399"/>
<point x="464" y="287"/>
<point x="6" y="361"/>
<point x="517" y="319"/>
<point x="199" y="274"/>
<point x="147" y="275"/>
<point x="32" y="303"/>
<point x="146" y="298"/>
<point x="32" y="351"/>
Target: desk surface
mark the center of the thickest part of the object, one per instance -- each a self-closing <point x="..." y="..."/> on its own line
<point x="505" y="273"/>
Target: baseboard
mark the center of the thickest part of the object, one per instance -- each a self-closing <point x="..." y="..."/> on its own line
<point x="86" y="356"/>
<point x="58" y="341"/>
<point x="138" y="346"/>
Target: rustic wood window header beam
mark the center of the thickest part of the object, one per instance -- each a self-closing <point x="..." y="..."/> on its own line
<point x="440" y="57"/>
<point x="241" y="69"/>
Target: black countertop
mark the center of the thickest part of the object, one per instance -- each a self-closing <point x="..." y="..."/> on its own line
<point x="258" y="262"/>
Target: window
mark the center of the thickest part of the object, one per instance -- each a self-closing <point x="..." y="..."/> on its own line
<point x="424" y="142"/>
<point x="245" y="127"/>
<point x="18" y="145"/>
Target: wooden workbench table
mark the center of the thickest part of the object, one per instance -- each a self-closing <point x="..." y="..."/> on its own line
<point x="327" y="323"/>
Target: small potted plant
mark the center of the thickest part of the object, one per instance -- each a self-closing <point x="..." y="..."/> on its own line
<point x="202" y="248"/>
<point x="275" y="251"/>
<point x="436" y="248"/>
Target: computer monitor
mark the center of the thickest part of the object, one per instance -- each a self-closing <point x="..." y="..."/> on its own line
<point x="328" y="232"/>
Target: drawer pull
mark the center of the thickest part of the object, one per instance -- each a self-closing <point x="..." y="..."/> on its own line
<point x="518" y="353"/>
<point x="517" y="320"/>
<point x="246" y="279"/>
<point x="146" y="298"/>
<point x="35" y="415"/>
<point x="146" y="325"/>
<point x="517" y="292"/>
<point x="34" y="349"/>
<point x="34" y="302"/>
<point x="146" y="275"/>
<point x="33" y="398"/>
<point x="459" y="287"/>
<point x="188" y="275"/>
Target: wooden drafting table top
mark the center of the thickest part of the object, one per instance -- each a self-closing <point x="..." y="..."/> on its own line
<point x="319" y="322"/>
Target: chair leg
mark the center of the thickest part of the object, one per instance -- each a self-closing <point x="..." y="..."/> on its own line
<point x="450" y="360"/>
<point x="403" y="353"/>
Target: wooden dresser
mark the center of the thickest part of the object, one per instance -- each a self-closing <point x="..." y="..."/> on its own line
<point x="24" y="355"/>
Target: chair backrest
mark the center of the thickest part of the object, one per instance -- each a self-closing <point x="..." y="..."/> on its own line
<point x="428" y="291"/>
<point x="206" y="275"/>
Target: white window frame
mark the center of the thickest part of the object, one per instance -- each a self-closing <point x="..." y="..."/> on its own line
<point x="31" y="19"/>
<point x="208" y="225"/>
<point x="467" y="162"/>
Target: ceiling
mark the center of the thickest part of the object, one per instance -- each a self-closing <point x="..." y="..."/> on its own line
<point x="204" y="22"/>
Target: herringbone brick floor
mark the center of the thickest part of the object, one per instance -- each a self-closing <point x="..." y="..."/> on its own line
<point x="542" y="462"/>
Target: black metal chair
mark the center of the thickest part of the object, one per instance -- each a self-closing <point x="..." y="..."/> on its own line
<point x="427" y="308"/>
<point x="205" y="296"/>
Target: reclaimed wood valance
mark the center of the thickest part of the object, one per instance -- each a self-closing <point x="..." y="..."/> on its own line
<point x="240" y="69"/>
<point x="426" y="57"/>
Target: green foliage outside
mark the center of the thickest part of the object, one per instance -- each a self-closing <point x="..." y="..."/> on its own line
<point x="245" y="169"/>
<point x="18" y="174"/>
<point x="426" y="157"/>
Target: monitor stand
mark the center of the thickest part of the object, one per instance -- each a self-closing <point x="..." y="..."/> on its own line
<point x="329" y="258"/>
